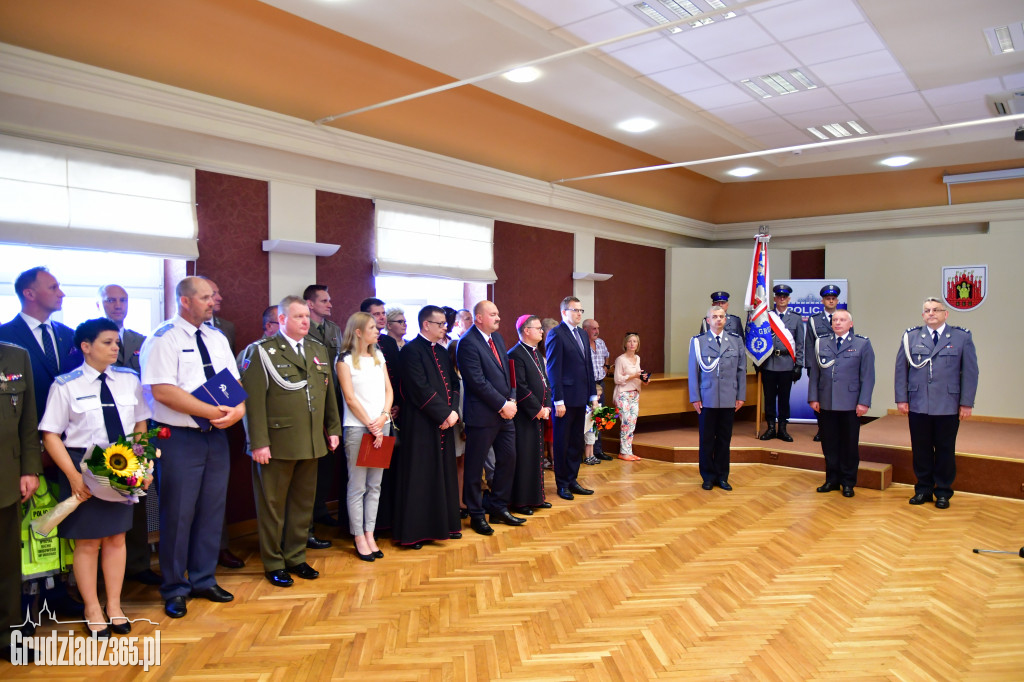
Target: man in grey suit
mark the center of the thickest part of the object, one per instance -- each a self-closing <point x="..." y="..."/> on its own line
<point x="936" y="382"/>
<point x="842" y="377"/>
<point x="781" y="369"/>
<point x="114" y="304"/>
<point x="718" y="387"/>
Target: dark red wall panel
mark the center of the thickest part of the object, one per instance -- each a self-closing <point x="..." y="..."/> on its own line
<point x="632" y="300"/>
<point x="348" y="274"/>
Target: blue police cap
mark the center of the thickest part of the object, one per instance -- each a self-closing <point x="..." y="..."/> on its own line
<point x="720" y="296"/>
<point x="782" y="290"/>
<point x="829" y="290"/>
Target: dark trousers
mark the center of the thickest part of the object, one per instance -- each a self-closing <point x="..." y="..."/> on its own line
<point x="840" y="438"/>
<point x="715" y="437"/>
<point x="193" y="478"/>
<point x="283" y="489"/>
<point x="933" y="444"/>
<point x="567" y="444"/>
<point x="11" y="612"/>
<point x="480" y="439"/>
<point x="776" y="386"/>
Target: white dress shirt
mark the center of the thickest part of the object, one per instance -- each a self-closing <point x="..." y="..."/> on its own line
<point x="74" y="407"/>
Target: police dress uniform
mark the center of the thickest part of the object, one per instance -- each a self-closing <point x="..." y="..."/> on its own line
<point x="717" y="378"/>
<point x="936" y="380"/>
<point x="732" y="323"/>
<point x="290" y="417"/>
<point x="19" y="448"/>
<point x="778" y="372"/>
<point x="192" y="474"/>
<point x="75" y="409"/>
<point x="841" y="376"/>
<point x="819" y="326"/>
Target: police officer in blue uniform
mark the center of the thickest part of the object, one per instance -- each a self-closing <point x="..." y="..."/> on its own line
<point x="732" y="323"/>
<point x="781" y="369"/>
<point x="718" y="387"/>
<point x="842" y="377"/>
<point x="936" y="382"/>
<point x="819" y="325"/>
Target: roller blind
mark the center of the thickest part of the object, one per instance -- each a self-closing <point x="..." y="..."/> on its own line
<point x="56" y="195"/>
<point x="416" y="240"/>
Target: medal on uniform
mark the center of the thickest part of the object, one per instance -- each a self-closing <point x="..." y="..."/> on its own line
<point x="271" y="351"/>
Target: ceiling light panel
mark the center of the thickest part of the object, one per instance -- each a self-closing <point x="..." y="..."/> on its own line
<point x="778" y="84"/>
<point x="656" y="16"/>
<point x="1005" y="39"/>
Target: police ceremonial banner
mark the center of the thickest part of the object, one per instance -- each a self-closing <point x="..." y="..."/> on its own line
<point x="762" y="321"/>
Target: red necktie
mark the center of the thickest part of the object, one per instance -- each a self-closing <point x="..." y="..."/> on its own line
<point x="490" y="342"/>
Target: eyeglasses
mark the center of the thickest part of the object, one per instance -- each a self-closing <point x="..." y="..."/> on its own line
<point x="398" y="321"/>
<point x="534" y="328"/>
<point x="115" y="300"/>
<point x="442" y="325"/>
<point x="576" y="310"/>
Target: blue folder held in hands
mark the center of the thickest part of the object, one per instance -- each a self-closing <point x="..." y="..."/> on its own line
<point x="220" y="389"/>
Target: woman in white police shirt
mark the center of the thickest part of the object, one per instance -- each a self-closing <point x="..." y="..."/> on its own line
<point x="75" y="407"/>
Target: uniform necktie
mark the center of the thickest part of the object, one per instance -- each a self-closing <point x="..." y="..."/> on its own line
<point x="494" y="349"/>
<point x="302" y="356"/>
<point x="111" y="418"/>
<point x="48" y="350"/>
<point x="839" y="343"/>
<point x="719" y="340"/>
<point x="829" y="321"/>
<point x="204" y="354"/>
<point x="935" y="336"/>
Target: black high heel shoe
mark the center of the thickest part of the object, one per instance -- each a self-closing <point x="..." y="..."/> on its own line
<point x="364" y="557"/>
<point x="122" y="629"/>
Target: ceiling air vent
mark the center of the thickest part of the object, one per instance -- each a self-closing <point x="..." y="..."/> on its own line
<point x="1006" y="103"/>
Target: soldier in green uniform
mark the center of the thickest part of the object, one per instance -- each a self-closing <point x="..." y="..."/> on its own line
<point x="19" y="478"/>
<point x="291" y="401"/>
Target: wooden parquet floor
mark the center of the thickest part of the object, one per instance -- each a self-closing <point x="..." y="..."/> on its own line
<point x="651" y="578"/>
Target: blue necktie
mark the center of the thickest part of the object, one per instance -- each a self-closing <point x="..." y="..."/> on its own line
<point x="935" y="337"/>
<point x="204" y="354"/>
<point x="839" y="343"/>
<point x="111" y="418"/>
<point x="48" y="350"/>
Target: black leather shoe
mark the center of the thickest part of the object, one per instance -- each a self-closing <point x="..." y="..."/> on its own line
<point x="525" y="511"/>
<point x="724" y="485"/>
<point x="565" y="494"/>
<point x="480" y="525"/>
<point x="124" y="628"/>
<point x="146" y="577"/>
<point x="579" y="490"/>
<point x="415" y="545"/>
<point x="847" y="491"/>
<point x="463" y="513"/>
<point x="313" y="542"/>
<point x="828" y="487"/>
<point x="817" y="437"/>
<point x="783" y="435"/>
<point x="921" y="498"/>
<point x="377" y="554"/>
<point x="455" y="535"/>
<point x="328" y="520"/>
<point x="602" y="456"/>
<point x="279" y="578"/>
<point x="175" y="607"/>
<point x="942" y="503"/>
<point x="215" y="593"/>
<point x="97" y="634"/>
<point x="506" y="518"/>
<point x="543" y="505"/>
<point x="304" y="571"/>
<point x="229" y="560"/>
<point x="707" y="485"/>
<point x="769" y="434"/>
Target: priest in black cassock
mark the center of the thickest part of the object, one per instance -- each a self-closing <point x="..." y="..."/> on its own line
<point x="533" y="397"/>
<point x="426" y="483"/>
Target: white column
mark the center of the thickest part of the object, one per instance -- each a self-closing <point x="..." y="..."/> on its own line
<point x="583" y="261"/>
<point x="292" y="216"/>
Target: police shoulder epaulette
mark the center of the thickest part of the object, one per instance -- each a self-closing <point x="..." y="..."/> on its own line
<point x="164" y="329"/>
<point x="261" y="341"/>
<point x="963" y="329"/>
<point x="913" y="329"/>
<point x="316" y="341"/>
<point x="65" y="378"/>
<point x="128" y="370"/>
<point x="732" y="333"/>
<point x="860" y="336"/>
<point x="697" y="336"/>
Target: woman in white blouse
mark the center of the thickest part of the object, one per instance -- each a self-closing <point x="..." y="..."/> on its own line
<point x="75" y="407"/>
<point x="368" y="397"/>
<point x="628" y="379"/>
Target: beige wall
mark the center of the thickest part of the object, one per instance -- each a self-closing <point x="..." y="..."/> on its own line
<point x="889" y="279"/>
<point x="692" y="275"/>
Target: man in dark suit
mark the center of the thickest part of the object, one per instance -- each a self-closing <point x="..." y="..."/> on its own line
<point x="50" y="345"/>
<point x="533" y="408"/>
<point x="113" y="302"/>
<point x="388" y="346"/>
<point x="226" y="327"/>
<point x="489" y="404"/>
<point x="571" y="372"/>
<point x="19" y="448"/>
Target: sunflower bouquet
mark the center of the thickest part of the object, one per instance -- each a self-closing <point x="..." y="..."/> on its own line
<point x="116" y="473"/>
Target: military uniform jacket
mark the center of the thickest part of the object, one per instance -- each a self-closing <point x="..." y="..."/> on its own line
<point x="292" y="423"/>
<point x="732" y="324"/>
<point x="945" y="383"/>
<point x="780" y="360"/>
<point x="330" y="337"/>
<point x="718" y="378"/>
<point x="849" y="381"/>
<point x="19" y="437"/>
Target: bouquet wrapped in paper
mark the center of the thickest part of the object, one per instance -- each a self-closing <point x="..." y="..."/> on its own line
<point x="117" y="473"/>
<point x="603" y="418"/>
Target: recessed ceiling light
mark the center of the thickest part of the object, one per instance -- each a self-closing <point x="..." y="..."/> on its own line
<point x="771" y="84"/>
<point x="1005" y="39"/>
<point x="837" y="130"/>
<point x="657" y="16"/>
<point x="637" y="125"/>
<point x="743" y="172"/>
<point x="523" y="74"/>
<point x="897" y="161"/>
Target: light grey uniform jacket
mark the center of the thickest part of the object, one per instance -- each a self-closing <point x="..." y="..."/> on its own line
<point x="849" y="381"/>
<point x="726" y="383"/>
<point x="944" y="384"/>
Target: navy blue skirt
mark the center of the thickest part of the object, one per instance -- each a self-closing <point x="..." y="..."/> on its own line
<point x="93" y="518"/>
